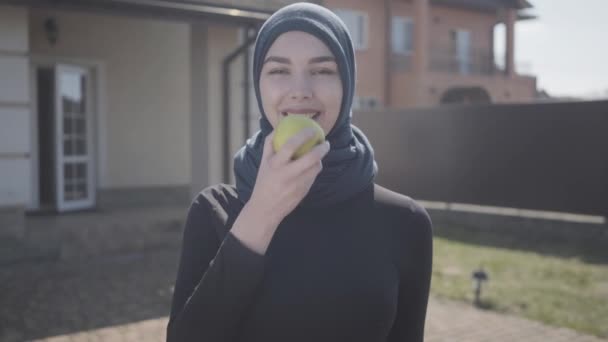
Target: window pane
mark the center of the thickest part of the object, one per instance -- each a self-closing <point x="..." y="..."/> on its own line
<point x="402" y="31"/>
<point x="81" y="171"/>
<point x="68" y="171"/>
<point x="67" y="147"/>
<point x="81" y="191"/>
<point x="67" y="125"/>
<point x="66" y="106"/>
<point x="69" y="190"/>
<point x="409" y="34"/>
<point x="80" y="126"/>
<point x="398" y="34"/>
<point x="355" y="23"/>
<point x="81" y="146"/>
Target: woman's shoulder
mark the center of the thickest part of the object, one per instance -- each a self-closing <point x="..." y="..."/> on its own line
<point x="217" y="205"/>
<point x="218" y="195"/>
<point x="219" y="199"/>
<point x="402" y="209"/>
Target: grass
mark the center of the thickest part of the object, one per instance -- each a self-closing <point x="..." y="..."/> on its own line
<point x="556" y="290"/>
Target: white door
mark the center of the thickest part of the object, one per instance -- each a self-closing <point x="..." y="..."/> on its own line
<point x="73" y="138"/>
<point x="463" y="51"/>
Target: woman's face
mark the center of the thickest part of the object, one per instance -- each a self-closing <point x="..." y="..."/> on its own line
<point x="300" y="77"/>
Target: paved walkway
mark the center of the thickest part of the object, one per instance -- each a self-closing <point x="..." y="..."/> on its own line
<point x="127" y="298"/>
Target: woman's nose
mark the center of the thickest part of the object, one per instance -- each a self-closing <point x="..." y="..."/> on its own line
<point x="301" y="88"/>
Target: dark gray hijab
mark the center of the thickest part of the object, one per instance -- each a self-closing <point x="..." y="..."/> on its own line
<point x="349" y="167"/>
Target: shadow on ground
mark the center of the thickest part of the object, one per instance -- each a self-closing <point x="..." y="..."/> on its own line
<point x="44" y="299"/>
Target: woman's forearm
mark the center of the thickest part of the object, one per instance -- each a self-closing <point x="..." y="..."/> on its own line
<point x="255" y="228"/>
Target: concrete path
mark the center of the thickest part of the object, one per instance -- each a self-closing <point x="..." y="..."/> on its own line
<point x="127" y="298"/>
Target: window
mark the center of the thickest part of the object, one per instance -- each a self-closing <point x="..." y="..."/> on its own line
<point x="461" y="45"/>
<point x="357" y="25"/>
<point x="402" y="33"/>
<point x="365" y="103"/>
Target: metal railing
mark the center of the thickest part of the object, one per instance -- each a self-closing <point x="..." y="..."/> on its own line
<point x="479" y="61"/>
<point x="476" y="61"/>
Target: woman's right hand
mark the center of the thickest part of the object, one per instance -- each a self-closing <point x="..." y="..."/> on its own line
<point x="280" y="186"/>
<point x="282" y="183"/>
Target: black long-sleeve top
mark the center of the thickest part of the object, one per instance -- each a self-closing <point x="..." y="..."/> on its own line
<point x="356" y="271"/>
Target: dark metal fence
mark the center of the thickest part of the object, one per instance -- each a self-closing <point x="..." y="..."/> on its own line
<point x="545" y="156"/>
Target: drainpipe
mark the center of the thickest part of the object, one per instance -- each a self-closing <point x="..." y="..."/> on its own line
<point x="511" y="17"/>
<point x="388" y="52"/>
<point x="246" y="83"/>
<point x="491" y="63"/>
<point x="226" y="99"/>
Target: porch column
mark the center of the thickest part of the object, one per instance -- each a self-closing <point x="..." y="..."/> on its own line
<point x="420" y="58"/>
<point x="15" y="121"/>
<point x="510" y="17"/>
<point x="199" y="123"/>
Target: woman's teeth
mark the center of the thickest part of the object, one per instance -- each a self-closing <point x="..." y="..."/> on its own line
<point x="309" y="115"/>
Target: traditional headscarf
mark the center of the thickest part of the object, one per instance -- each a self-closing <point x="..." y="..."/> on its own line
<point x="349" y="167"/>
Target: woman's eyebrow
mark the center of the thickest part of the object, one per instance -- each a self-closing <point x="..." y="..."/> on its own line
<point x="276" y="59"/>
<point x="322" y="59"/>
<point x="283" y="60"/>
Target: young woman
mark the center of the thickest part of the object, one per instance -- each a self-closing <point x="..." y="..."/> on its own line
<point x="307" y="249"/>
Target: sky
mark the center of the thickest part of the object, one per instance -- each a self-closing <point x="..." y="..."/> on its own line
<point x="566" y="47"/>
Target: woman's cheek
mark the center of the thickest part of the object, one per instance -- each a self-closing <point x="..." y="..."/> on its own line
<point x="332" y="94"/>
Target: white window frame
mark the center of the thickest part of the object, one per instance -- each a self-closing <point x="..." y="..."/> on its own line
<point x="98" y="130"/>
<point x="464" y="60"/>
<point x="406" y="21"/>
<point x="348" y="16"/>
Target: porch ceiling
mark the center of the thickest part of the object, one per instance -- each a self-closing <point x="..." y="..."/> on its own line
<point x="162" y="9"/>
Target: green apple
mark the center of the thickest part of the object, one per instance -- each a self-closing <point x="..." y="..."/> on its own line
<point x="290" y="126"/>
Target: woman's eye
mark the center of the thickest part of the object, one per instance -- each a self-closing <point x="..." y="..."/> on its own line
<point x="323" y="72"/>
<point x="278" y="72"/>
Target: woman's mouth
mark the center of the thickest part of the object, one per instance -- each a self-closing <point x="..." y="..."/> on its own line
<point x="311" y="115"/>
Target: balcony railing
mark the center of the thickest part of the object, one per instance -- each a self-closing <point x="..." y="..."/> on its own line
<point x="476" y="62"/>
<point x="471" y="62"/>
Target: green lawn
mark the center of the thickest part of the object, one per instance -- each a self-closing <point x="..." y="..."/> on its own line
<point x="562" y="291"/>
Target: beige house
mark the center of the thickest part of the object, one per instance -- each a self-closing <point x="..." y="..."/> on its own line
<point x="428" y="52"/>
<point x="114" y="102"/>
<point x="111" y="103"/>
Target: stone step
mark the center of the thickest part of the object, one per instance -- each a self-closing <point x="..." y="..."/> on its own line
<point x="92" y="234"/>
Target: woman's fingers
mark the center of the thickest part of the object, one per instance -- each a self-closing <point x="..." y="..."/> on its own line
<point x="309" y="160"/>
<point x="281" y="183"/>
<point x="285" y="154"/>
